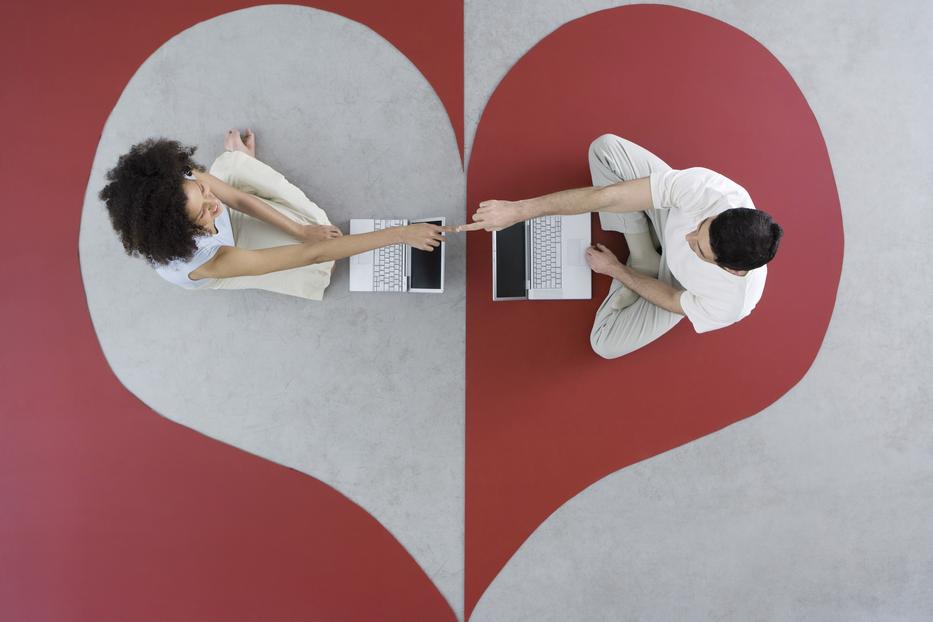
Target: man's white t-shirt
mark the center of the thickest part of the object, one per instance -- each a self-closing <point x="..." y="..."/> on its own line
<point x="177" y="271"/>
<point x="713" y="298"/>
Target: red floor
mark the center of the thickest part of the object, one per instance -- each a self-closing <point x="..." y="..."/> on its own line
<point x="109" y="511"/>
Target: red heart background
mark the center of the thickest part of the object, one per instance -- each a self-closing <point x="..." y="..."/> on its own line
<point x="112" y="512"/>
<point x="109" y="511"/>
<point x="546" y="417"/>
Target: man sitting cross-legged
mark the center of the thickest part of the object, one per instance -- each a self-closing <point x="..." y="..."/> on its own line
<point x="714" y="244"/>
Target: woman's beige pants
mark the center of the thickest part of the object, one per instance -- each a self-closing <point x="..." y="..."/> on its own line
<point x="260" y="180"/>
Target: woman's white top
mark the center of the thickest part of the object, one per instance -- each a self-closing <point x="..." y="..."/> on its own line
<point x="178" y="271"/>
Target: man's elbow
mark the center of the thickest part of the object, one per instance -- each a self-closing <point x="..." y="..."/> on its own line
<point x="612" y="198"/>
<point x="633" y="195"/>
<point x="675" y="306"/>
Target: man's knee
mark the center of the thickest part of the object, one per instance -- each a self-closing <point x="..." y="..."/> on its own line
<point x="603" y="159"/>
<point x="600" y="147"/>
<point x="606" y="350"/>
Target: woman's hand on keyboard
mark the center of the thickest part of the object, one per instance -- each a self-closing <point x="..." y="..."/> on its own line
<point x="423" y="235"/>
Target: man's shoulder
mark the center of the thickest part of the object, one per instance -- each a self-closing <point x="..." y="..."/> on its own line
<point x="715" y="179"/>
<point x="728" y="292"/>
<point x="698" y="189"/>
<point x="722" y="190"/>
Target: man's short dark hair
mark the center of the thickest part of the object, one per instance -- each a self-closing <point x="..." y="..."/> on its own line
<point x="146" y="201"/>
<point x="743" y="238"/>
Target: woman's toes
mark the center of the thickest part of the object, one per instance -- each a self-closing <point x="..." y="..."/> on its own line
<point x="251" y="141"/>
<point x="238" y="140"/>
<point x="230" y="140"/>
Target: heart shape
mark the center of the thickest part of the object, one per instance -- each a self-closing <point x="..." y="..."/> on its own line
<point x="508" y="494"/>
<point x="546" y="417"/>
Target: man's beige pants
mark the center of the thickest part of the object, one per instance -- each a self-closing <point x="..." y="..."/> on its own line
<point x="260" y="180"/>
<point x="617" y="332"/>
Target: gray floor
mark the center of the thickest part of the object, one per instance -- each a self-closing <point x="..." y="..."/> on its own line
<point x="342" y="389"/>
<point x="816" y="509"/>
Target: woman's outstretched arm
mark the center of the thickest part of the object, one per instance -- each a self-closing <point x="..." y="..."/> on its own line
<point x="231" y="261"/>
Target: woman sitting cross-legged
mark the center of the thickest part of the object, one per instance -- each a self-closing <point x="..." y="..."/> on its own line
<point x="242" y="225"/>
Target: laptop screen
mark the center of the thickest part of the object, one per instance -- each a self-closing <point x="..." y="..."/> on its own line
<point x="426" y="266"/>
<point x="510" y="262"/>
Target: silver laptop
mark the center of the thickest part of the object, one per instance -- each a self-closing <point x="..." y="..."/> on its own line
<point x="399" y="267"/>
<point x="542" y="259"/>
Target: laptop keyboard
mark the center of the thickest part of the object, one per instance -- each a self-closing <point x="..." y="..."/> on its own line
<point x="388" y="263"/>
<point x="545" y="253"/>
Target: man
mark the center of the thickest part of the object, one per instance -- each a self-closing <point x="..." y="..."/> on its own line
<point x="714" y="243"/>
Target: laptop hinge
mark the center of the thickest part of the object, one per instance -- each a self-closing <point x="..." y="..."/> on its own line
<point x="406" y="277"/>
<point x="528" y="255"/>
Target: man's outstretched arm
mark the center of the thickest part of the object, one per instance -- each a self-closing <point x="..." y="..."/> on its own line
<point x="625" y="196"/>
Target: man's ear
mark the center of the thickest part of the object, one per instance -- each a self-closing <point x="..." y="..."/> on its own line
<point x="735" y="272"/>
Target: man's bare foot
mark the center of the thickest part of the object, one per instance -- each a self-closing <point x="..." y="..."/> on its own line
<point x="233" y="142"/>
<point x="624" y="297"/>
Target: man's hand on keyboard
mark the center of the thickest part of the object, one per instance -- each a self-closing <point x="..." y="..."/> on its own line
<point x="495" y="215"/>
<point x="423" y="235"/>
<point x="601" y="260"/>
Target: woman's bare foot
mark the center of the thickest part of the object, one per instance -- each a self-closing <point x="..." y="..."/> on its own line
<point x="251" y="142"/>
<point x="233" y="142"/>
<point x="230" y="140"/>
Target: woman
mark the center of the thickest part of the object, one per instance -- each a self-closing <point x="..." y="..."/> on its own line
<point x="242" y="225"/>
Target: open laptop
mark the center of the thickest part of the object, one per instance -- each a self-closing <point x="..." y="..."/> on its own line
<point x="542" y="259"/>
<point x="399" y="267"/>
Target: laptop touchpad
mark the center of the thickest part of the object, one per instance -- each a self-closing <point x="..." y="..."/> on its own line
<point x="363" y="259"/>
<point x="576" y="252"/>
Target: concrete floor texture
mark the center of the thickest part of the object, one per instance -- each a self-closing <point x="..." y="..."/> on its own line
<point x="817" y="508"/>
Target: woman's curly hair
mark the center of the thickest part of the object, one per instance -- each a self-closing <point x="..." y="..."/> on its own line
<point x="146" y="201"/>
